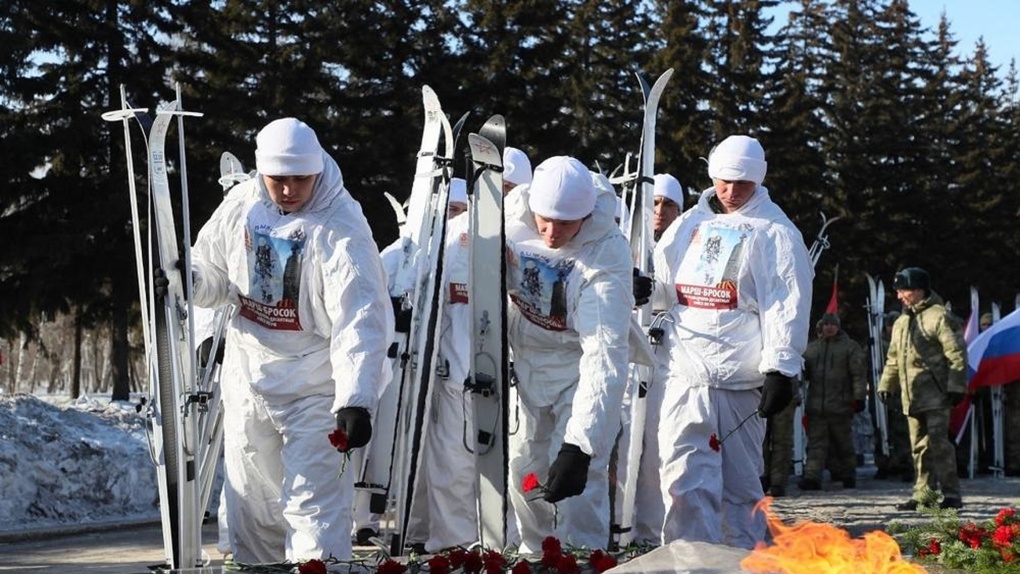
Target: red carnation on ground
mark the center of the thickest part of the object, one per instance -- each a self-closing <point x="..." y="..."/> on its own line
<point x="391" y="566"/>
<point x="1005" y="535"/>
<point x="1005" y="516"/>
<point x="934" y="547"/>
<point x="522" y="567"/>
<point x="493" y="562"/>
<point x="439" y="564"/>
<point x="600" y="561"/>
<point x="971" y="534"/>
<point x="568" y="565"/>
<point x="458" y="556"/>
<point x="473" y="562"/>
<point x="313" y="566"/>
<point x="551" y="552"/>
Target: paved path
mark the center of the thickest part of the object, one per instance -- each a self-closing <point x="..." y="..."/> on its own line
<point x="130" y="551"/>
<point x="871" y="506"/>
<point x="866" y="508"/>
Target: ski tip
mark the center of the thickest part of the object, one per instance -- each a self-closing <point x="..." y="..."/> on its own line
<point x="122" y="114"/>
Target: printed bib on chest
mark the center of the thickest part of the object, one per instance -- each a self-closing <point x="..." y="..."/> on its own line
<point x="709" y="272"/>
<point x="539" y="288"/>
<point x="274" y="280"/>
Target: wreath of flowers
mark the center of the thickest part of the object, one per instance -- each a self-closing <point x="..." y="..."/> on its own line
<point x="988" y="547"/>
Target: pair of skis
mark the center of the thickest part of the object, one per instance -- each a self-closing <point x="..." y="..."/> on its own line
<point x="184" y="405"/>
<point x="819" y="246"/>
<point x="639" y="196"/>
<point x="876" y="318"/>
<point x="395" y="462"/>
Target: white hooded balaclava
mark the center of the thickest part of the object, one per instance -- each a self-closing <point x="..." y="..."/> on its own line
<point x="288" y="147"/>
<point x="669" y="187"/>
<point x="516" y="166"/>
<point x="738" y="158"/>
<point x="562" y="189"/>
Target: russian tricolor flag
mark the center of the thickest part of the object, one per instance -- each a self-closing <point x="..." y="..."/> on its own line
<point x="994" y="356"/>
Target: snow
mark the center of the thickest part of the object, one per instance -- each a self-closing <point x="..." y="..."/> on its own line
<point x="70" y="462"/>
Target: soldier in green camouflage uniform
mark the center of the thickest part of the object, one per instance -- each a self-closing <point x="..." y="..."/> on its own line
<point x="899" y="462"/>
<point x="836" y="376"/>
<point x="927" y="367"/>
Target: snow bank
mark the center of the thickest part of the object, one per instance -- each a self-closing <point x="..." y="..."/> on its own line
<point x="73" y="463"/>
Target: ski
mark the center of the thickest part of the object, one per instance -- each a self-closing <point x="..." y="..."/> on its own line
<point x="378" y="469"/>
<point x="418" y="363"/>
<point x="231" y="171"/>
<point x="641" y="241"/>
<point x="178" y="500"/>
<point x="489" y="377"/>
<point x="874" y="306"/>
<point x="183" y="406"/>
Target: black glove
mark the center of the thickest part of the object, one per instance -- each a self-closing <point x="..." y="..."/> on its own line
<point x="401" y="316"/>
<point x="955" y="398"/>
<point x="883" y="396"/>
<point x="857" y="405"/>
<point x="568" y="475"/>
<point x="642" y="288"/>
<point x="160" y="283"/>
<point x="356" y="424"/>
<point x="205" y="348"/>
<point x="776" y="394"/>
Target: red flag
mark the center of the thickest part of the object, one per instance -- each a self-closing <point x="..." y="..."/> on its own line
<point x="833" y="307"/>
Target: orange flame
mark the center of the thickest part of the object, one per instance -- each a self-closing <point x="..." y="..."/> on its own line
<point x="816" y="548"/>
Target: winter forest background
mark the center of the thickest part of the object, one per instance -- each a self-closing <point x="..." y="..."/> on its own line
<point x="864" y="114"/>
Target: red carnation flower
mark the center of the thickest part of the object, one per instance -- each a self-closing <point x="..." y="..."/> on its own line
<point x="568" y="565"/>
<point x="933" y="548"/>
<point x="600" y="561"/>
<point x="458" y="556"/>
<point x="493" y="562"/>
<point x="1005" y="516"/>
<point x="551" y="552"/>
<point x="438" y="564"/>
<point x="338" y="439"/>
<point x="522" y="567"/>
<point x="391" y="566"/>
<point x="1003" y="536"/>
<point x="971" y="534"/>
<point x="313" y="566"/>
<point x="551" y="543"/>
<point x="473" y="563"/>
<point x="713" y="443"/>
<point x="530" y="482"/>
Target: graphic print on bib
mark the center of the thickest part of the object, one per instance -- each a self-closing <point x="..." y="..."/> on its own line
<point x="274" y="272"/>
<point x="707" y="278"/>
<point x="541" y="293"/>
<point x="458" y="272"/>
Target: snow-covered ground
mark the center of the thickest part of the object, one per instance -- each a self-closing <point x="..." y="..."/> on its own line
<point x="70" y="462"/>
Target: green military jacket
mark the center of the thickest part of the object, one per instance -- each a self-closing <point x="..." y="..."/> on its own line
<point x="835" y="370"/>
<point x="927" y="357"/>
